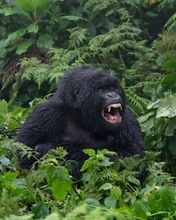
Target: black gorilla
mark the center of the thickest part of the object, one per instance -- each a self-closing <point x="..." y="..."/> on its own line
<point x="87" y="111"/>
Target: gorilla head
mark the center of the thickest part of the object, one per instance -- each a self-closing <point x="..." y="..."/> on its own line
<point x="95" y="99"/>
<point x="87" y="111"/>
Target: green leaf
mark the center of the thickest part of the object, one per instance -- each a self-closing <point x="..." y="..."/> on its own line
<point x="145" y="117"/>
<point x="72" y="18"/>
<point x="133" y="180"/>
<point x="90" y="152"/>
<point x="13" y="124"/>
<point x="45" y="41"/>
<point x="23" y="217"/>
<point x="92" y="201"/>
<point x="106" y="186"/>
<point x="110" y="202"/>
<point x="33" y="28"/>
<point x="2" y="32"/>
<point x="171" y="127"/>
<point x="27" y="5"/>
<point x="22" y="48"/>
<point x="40" y="210"/>
<point x="167" y="107"/>
<point x="15" y="35"/>
<point x="141" y="208"/>
<point x="43" y="3"/>
<point x="172" y="146"/>
<point x="3" y="106"/>
<point x="52" y="216"/>
<point x="60" y="188"/>
<point x="147" y="125"/>
<point x="9" y="11"/>
<point x="4" y="160"/>
<point x="169" y="65"/>
<point x="116" y="192"/>
<point x="169" y="82"/>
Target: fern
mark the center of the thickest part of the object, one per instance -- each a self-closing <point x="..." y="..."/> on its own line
<point x="171" y="23"/>
<point x="77" y="36"/>
<point x="166" y="44"/>
<point x="136" y="103"/>
<point x="166" y="4"/>
<point x="62" y="60"/>
<point x="32" y="68"/>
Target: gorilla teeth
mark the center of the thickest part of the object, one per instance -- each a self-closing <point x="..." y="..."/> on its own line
<point x="111" y="113"/>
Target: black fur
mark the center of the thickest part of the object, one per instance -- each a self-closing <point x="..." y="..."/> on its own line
<point x="73" y="118"/>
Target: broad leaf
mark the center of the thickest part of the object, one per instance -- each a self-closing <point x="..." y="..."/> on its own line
<point x="22" y="48"/>
<point x="167" y="107"/>
<point x="45" y="41"/>
<point x="60" y="188"/>
<point x="15" y="35"/>
<point x="8" y="11"/>
<point x="33" y="28"/>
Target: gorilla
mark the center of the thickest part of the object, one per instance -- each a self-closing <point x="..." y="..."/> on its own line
<point x="88" y="110"/>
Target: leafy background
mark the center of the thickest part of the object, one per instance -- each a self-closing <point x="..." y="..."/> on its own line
<point x="135" y="41"/>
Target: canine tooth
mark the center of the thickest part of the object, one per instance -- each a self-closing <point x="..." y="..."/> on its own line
<point x="121" y="108"/>
<point x="109" y="109"/>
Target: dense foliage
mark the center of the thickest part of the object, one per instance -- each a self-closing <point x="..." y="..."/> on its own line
<point x="134" y="40"/>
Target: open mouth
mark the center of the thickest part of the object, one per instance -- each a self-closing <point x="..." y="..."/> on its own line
<point x="111" y="113"/>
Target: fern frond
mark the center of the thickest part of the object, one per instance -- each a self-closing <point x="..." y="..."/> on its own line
<point x="136" y="103"/>
<point x="171" y="23"/>
<point x="166" y="44"/>
<point x="32" y="68"/>
<point x="61" y="60"/>
<point x="166" y="4"/>
<point x="77" y="36"/>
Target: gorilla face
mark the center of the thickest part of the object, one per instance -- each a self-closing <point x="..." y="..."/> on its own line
<point x="95" y="98"/>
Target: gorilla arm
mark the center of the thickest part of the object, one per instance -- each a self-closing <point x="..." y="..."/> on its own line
<point x="42" y="131"/>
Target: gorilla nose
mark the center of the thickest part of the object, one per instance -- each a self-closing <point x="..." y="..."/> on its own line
<point x="113" y="95"/>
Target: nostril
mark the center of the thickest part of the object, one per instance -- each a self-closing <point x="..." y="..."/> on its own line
<point x="112" y="95"/>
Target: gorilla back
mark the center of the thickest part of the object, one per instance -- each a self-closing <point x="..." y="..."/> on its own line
<point x="87" y="111"/>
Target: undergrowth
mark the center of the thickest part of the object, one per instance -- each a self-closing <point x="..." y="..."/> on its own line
<point x="106" y="191"/>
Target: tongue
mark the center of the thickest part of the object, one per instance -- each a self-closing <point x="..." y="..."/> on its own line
<point x="111" y="117"/>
